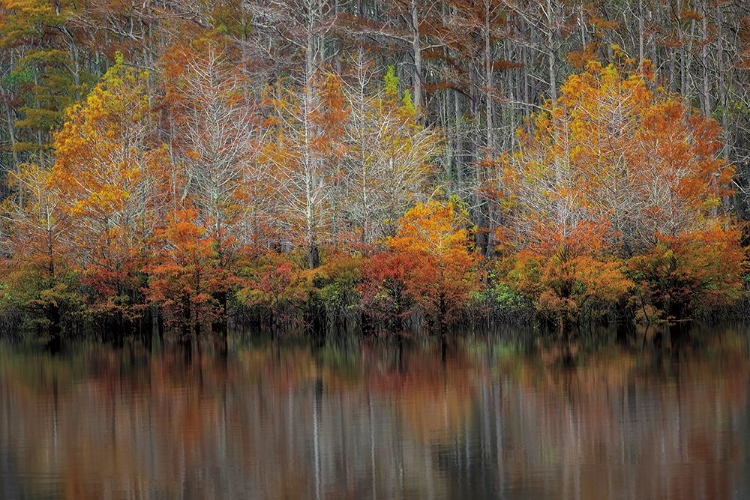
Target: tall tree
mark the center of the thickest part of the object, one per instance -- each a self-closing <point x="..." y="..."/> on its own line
<point x="388" y="162"/>
<point x="36" y="242"/>
<point x="214" y="122"/>
<point x="104" y="169"/>
<point x="303" y="150"/>
<point x="44" y="72"/>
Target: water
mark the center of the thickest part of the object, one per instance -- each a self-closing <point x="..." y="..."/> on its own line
<point x="486" y="418"/>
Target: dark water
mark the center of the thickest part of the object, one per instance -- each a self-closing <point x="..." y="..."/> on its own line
<point x="485" y="418"/>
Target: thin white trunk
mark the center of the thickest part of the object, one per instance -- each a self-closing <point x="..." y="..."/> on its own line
<point x="416" y="53"/>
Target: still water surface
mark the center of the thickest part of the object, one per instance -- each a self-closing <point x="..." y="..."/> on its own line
<point x="486" y="418"/>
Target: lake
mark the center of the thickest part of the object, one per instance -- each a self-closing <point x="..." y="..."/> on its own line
<point x="486" y="416"/>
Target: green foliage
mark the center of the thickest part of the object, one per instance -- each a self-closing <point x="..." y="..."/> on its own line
<point x="334" y="284"/>
<point x="390" y="83"/>
<point x="45" y="305"/>
<point x="506" y="298"/>
<point x="233" y="18"/>
<point x="43" y="79"/>
<point x="407" y="105"/>
<point x="23" y="75"/>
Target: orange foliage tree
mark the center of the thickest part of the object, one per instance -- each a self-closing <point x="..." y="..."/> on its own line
<point x="214" y="138"/>
<point x="613" y="169"/>
<point x="185" y="274"/>
<point x="274" y="284"/>
<point x="384" y="297"/>
<point x="577" y="279"/>
<point x="434" y="238"/>
<point x="699" y="272"/>
<point x="214" y="127"/>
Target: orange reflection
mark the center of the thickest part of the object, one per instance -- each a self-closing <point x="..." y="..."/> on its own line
<point x="377" y="420"/>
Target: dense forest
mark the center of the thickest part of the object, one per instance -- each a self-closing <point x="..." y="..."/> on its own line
<point x="387" y="164"/>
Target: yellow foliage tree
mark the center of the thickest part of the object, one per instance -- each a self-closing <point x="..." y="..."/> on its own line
<point x="105" y="160"/>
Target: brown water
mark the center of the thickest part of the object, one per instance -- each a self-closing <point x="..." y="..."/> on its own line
<point x="371" y="420"/>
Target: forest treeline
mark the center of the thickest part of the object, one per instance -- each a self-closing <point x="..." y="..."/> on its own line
<point x="386" y="164"/>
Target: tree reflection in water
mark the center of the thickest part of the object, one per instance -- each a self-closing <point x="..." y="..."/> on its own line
<point x="491" y="418"/>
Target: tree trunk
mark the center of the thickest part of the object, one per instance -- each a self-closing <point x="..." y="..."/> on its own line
<point x="488" y="77"/>
<point x="416" y="54"/>
<point x="551" y="15"/>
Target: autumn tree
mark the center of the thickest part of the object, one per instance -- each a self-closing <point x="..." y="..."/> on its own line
<point x="304" y="102"/>
<point x="696" y="273"/>
<point x="435" y="239"/>
<point x="105" y="160"/>
<point x="302" y="151"/>
<point x="185" y="274"/>
<point x="275" y="285"/>
<point x="214" y="131"/>
<point x="385" y="300"/>
<point x="612" y="170"/>
<point x="213" y="126"/>
<point x="578" y="280"/>
<point x="38" y="276"/>
<point x="388" y="162"/>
